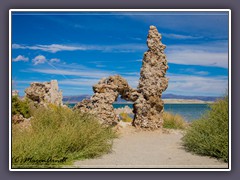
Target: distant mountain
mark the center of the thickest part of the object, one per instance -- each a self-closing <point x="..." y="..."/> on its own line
<point x="75" y="98"/>
<point x="164" y="96"/>
<point x="203" y="98"/>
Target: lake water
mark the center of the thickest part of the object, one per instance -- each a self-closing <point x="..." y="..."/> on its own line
<point x="189" y="112"/>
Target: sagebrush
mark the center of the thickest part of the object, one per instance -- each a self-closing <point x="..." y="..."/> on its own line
<point x="20" y="107"/>
<point x="209" y="134"/>
<point x="58" y="133"/>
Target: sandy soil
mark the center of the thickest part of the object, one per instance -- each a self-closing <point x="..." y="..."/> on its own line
<point x="144" y="149"/>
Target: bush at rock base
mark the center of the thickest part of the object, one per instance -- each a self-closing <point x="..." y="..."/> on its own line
<point x="20" y="107"/>
<point x="173" y="121"/>
<point x="57" y="137"/>
<point x="125" y="117"/>
<point x="209" y="134"/>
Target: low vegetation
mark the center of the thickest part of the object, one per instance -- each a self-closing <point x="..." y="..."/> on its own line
<point x="173" y="121"/>
<point x="20" y="107"/>
<point x="209" y="134"/>
<point x="57" y="136"/>
<point x="125" y="117"/>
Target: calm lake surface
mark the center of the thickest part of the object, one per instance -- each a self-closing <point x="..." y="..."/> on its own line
<point x="190" y="112"/>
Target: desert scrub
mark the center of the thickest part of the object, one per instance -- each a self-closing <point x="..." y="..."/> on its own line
<point x="209" y="134"/>
<point x="173" y="121"/>
<point x="58" y="136"/>
<point x="125" y="117"/>
<point x="20" y="107"/>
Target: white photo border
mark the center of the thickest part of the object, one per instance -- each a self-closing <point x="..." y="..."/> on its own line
<point x="118" y="10"/>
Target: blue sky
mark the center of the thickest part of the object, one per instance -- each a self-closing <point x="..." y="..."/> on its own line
<point x="80" y="48"/>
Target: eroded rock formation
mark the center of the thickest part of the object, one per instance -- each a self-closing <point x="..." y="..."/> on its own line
<point x="105" y="94"/>
<point x="148" y="105"/>
<point x="44" y="93"/>
<point x="125" y="109"/>
<point x="15" y="92"/>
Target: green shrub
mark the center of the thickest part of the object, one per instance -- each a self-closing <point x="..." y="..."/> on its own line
<point x="59" y="134"/>
<point x="173" y="121"/>
<point x="125" y="117"/>
<point x="209" y="134"/>
<point x="20" y="107"/>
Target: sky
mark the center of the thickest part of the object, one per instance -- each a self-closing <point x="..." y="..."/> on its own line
<point x="80" y="48"/>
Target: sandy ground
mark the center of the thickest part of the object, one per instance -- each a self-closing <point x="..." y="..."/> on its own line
<point x="144" y="149"/>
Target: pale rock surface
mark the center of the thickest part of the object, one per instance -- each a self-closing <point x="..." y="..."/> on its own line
<point x="44" y="93"/>
<point x="105" y="94"/>
<point x="125" y="109"/>
<point x="147" y="98"/>
<point x="15" y="92"/>
<point x="148" y="108"/>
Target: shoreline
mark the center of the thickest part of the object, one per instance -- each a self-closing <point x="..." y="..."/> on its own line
<point x="186" y="101"/>
<point x="166" y="101"/>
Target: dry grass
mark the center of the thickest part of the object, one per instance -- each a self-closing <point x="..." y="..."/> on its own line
<point x="173" y="121"/>
<point x="125" y="117"/>
<point x="58" y="133"/>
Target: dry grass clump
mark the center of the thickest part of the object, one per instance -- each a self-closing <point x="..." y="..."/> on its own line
<point x="58" y="136"/>
<point x="125" y="117"/>
<point x="173" y="121"/>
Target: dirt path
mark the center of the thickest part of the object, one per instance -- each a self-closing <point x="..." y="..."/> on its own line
<point x="141" y="149"/>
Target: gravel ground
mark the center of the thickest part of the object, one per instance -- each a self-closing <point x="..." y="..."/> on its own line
<point x="145" y="149"/>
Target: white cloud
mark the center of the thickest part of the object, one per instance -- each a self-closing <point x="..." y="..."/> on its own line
<point x="40" y="59"/>
<point x="54" y="60"/>
<point x="212" y="54"/>
<point x="20" y="58"/>
<point x="196" y="85"/>
<point x="70" y="72"/>
<point x="178" y="84"/>
<point x="180" y="36"/>
<point x="53" y="48"/>
<point x="49" y="48"/>
<point x="195" y="57"/>
<point x="193" y="71"/>
<point x="202" y="72"/>
<point x="81" y="82"/>
<point x="189" y="84"/>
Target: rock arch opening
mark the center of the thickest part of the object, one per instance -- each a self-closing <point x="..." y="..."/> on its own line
<point x="147" y="98"/>
<point x="106" y="92"/>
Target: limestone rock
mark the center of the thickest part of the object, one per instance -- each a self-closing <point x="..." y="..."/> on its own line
<point x="147" y="98"/>
<point x="148" y="107"/>
<point x="44" y="93"/>
<point x="17" y="118"/>
<point x="106" y="92"/>
<point x="125" y="109"/>
<point x="15" y="92"/>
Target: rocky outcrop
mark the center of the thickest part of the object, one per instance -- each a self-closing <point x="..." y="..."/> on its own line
<point x="125" y="109"/>
<point x="44" y="93"/>
<point x="18" y="118"/>
<point x="148" y="107"/>
<point x="105" y="94"/>
<point x="15" y="92"/>
<point x="148" y="104"/>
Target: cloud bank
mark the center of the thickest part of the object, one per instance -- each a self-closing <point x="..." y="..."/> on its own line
<point x="20" y="58"/>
